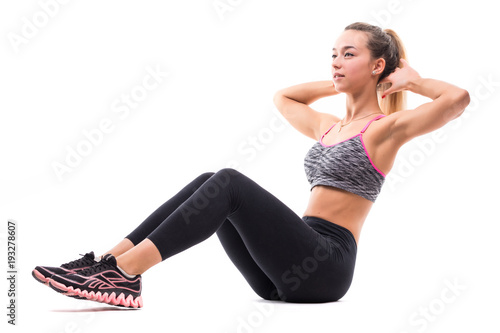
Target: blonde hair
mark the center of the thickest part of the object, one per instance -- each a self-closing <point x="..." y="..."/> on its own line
<point x="385" y="44"/>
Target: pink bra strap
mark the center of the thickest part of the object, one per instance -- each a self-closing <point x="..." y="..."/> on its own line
<point x="328" y="130"/>
<point x="376" y="118"/>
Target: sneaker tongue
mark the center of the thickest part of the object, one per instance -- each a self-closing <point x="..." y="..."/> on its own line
<point x="91" y="255"/>
<point x="109" y="258"/>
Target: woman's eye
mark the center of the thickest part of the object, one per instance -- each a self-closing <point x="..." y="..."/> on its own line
<point x="347" y="54"/>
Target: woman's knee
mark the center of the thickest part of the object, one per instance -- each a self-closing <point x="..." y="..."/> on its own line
<point x="228" y="172"/>
<point x="202" y="178"/>
<point x="206" y="175"/>
<point x="228" y="176"/>
<point x="219" y="181"/>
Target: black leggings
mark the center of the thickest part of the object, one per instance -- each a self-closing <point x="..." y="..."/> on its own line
<point x="282" y="256"/>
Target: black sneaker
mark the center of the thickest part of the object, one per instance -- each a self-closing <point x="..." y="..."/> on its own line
<point x="43" y="273"/>
<point x="103" y="282"/>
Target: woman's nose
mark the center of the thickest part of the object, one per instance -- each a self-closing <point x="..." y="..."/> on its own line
<point x="335" y="64"/>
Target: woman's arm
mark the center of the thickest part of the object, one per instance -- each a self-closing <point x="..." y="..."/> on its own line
<point x="293" y="103"/>
<point x="448" y="102"/>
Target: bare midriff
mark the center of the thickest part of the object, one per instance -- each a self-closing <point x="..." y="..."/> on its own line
<point x="340" y="207"/>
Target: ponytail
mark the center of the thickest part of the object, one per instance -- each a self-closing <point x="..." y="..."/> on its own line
<point x="395" y="101"/>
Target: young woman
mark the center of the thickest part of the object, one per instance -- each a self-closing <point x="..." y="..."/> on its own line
<point x="281" y="255"/>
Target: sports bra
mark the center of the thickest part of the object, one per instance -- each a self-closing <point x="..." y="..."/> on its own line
<point x="345" y="165"/>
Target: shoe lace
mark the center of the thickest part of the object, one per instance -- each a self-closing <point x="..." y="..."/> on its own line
<point x="96" y="268"/>
<point x="86" y="259"/>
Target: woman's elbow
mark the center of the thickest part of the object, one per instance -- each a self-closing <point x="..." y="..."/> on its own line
<point x="279" y="101"/>
<point x="277" y="97"/>
<point x="462" y="100"/>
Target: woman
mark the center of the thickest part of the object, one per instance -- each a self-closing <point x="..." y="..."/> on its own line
<point x="281" y="255"/>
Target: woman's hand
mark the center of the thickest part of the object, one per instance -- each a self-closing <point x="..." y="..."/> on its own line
<point x="400" y="79"/>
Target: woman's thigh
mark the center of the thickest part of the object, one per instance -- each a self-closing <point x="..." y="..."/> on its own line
<point x="238" y="254"/>
<point x="304" y="265"/>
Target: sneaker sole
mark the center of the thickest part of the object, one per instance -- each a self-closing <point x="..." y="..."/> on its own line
<point x="112" y="299"/>
<point x="45" y="280"/>
<point x="40" y="278"/>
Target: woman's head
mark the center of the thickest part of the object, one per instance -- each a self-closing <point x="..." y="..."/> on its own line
<point x="374" y="55"/>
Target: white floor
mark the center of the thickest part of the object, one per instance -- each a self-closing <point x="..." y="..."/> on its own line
<point x="192" y="293"/>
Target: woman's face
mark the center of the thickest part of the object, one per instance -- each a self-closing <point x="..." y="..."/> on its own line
<point x="351" y="61"/>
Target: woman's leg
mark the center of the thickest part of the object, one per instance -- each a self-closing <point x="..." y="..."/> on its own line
<point x="232" y="244"/>
<point x="302" y="265"/>
<point x="120" y="248"/>
<point x="229" y="237"/>
<point x="148" y="254"/>
<point x="238" y="253"/>
<point x="158" y="216"/>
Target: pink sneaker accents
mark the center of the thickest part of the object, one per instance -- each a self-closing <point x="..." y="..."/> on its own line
<point x="43" y="273"/>
<point x="40" y="278"/>
<point x="121" y="300"/>
<point x="103" y="283"/>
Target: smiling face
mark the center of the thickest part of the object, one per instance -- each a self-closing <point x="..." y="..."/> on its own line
<point x="352" y="61"/>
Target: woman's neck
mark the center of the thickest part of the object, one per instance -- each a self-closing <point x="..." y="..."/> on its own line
<point x="359" y="105"/>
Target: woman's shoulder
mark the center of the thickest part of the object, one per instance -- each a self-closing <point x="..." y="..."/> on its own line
<point x="327" y="122"/>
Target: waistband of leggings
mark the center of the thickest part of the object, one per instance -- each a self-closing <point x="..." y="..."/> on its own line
<point x="330" y="229"/>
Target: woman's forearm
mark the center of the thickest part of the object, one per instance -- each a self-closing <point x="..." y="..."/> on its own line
<point x="309" y="92"/>
<point x="456" y="99"/>
<point x="433" y="88"/>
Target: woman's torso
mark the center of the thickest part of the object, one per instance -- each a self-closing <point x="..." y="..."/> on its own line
<point x="340" y="206"/>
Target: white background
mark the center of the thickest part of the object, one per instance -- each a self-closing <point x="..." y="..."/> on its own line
<point x="434" y="224"/>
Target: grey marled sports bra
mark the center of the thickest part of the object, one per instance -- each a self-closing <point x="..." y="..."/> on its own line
<point x="345" y="165"/>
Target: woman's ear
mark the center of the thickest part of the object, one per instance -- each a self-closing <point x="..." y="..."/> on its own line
<point x="379" y="65"/>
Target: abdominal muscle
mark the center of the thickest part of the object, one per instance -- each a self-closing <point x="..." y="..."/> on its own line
<point x="340" y="207"/>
